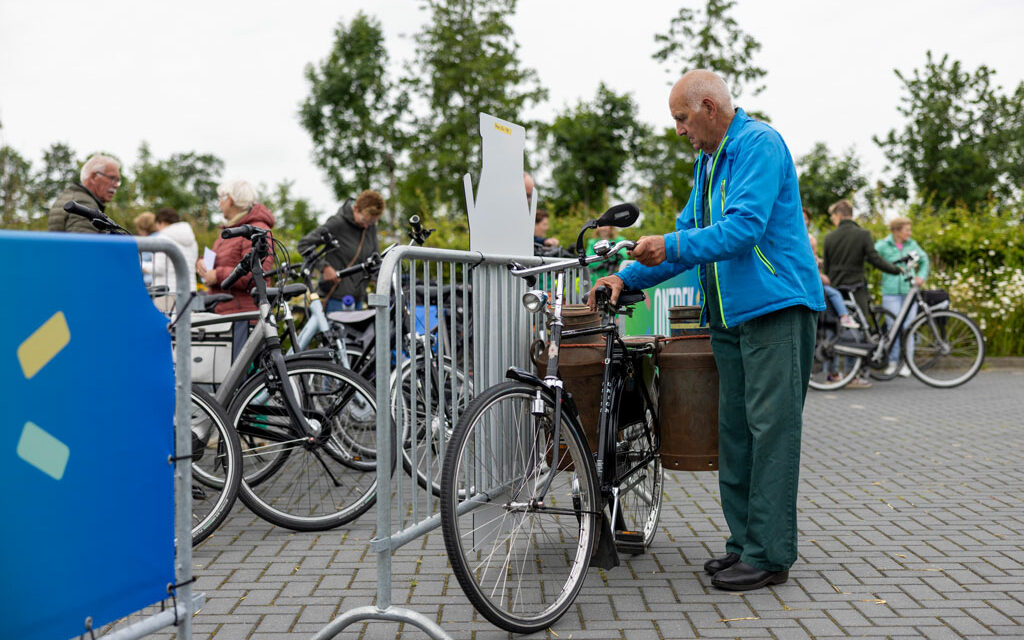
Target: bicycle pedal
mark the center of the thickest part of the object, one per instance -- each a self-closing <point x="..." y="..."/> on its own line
<point x="631" y="542"/>
<point x="198" y="493"/>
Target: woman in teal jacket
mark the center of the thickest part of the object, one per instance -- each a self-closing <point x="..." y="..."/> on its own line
<point x="895" y="287"/>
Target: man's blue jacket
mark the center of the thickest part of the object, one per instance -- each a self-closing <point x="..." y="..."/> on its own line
<point x="756" y="243"/>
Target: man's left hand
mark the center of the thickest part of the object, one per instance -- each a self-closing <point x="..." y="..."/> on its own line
<point x="649" y="250"/>
<point x="918" y="281"/>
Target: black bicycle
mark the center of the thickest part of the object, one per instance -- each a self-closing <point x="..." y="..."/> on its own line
<point x="524" y="500"/>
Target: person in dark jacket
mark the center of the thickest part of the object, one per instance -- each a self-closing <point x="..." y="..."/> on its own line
<point x="354" y="226"/>
<point x="847" y="248"/>
<point x="237" y="200"/>
<point x="100" y="177"/>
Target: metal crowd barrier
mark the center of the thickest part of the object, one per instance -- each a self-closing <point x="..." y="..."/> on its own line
<point x="459" y="315"/>
<point x="94" y="475"/>
<point x="185" y="603"/>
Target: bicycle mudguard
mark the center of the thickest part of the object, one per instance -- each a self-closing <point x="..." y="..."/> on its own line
<point x="320" y="353"/>
<point x="524" y="376"/>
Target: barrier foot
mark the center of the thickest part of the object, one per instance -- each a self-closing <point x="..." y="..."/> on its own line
<point x="391" y="614"/>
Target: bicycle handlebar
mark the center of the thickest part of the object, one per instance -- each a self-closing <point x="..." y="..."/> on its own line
<point x="245" y="231"/>
<point x="565" y="264"/>
<point x="240" y="270"/>
<point x="98" y="219"/>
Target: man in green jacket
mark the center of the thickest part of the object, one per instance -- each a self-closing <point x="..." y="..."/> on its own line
<point x="895" y="288"/>
<point x="100" y="176"/>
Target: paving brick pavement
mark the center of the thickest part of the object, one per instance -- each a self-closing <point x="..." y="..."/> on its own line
<point x="911" y="526"/>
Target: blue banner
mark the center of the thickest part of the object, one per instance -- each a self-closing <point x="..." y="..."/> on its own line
<point x="87" y="389"/>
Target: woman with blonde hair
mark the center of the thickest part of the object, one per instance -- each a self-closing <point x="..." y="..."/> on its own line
<point x="895" y="287"/>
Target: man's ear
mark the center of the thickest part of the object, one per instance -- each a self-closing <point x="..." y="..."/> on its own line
<point x="709" y="107"/>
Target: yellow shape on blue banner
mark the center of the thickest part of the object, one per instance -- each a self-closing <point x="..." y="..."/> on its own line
<point x="43" y="451"/>
<point x="44" y="344"/>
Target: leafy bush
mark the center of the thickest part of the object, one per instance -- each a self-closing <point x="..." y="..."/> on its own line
<point x="978" y="256"/>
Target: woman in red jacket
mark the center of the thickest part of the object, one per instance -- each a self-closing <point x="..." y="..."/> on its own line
<point x="237" y="200"/>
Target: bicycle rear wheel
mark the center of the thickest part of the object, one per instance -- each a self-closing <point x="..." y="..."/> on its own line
<point x="830" y="370"/>
<point x="216" y="465"/>
<point x="521" y="557"/>
<point x="308" y="486"/>
<point x="638" y="505"/>
<point x="948" y="348"/>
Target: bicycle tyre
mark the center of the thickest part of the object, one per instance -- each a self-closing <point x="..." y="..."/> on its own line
<point x="948" y="351"/>
<point x="521" y="583"/>
<point x="639" y="494"/>
<point x="883" y="319"/>
<point x="427" y="424"/>
<point x="217" y="470"/>
<point x="309" y="490"/>
<point x="822" y="378"/>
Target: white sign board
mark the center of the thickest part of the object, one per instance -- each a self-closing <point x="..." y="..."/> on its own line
<point x="500" y="218"/>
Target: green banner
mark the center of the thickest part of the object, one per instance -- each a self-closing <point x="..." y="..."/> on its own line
<point x="651" y="317"/>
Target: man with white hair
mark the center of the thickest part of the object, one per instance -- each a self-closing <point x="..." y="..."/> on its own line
<point x="743" y="229"/>
<point x="100" y="177"/>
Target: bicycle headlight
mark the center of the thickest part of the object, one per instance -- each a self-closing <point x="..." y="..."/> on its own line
<point x="535" y="300"/>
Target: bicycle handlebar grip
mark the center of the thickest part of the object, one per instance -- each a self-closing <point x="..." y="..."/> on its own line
<point x="84" y="211"/>
<point x="245" y="231"/>
<point x="240" y="270"/>
<point x="600" y="292"/>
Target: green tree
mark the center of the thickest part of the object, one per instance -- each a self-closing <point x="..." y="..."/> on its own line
<point x="591" y="145"/>
<point x="712" y="39"/>
<point x="60" y="167"/>
<point x="185" y="181"/>
<point x="352" y="110"/>
<point x="825" y="178"/>
<point x="15" y="181"/>
<point x="963" y="141"/>
<point x="466" y="62"/>
<point x="295" y="217"/>
<point x="664" y="168"/>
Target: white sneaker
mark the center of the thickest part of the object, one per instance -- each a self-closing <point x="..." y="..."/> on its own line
<point x="891" y="369"/>
<point x="905" y="371"/>
<point x="849" y="323"/>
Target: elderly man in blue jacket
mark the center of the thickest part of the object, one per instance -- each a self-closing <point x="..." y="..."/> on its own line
<point x="743" y="229"/>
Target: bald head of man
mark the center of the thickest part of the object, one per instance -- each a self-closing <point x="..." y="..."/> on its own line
<point x="702" y="108"/>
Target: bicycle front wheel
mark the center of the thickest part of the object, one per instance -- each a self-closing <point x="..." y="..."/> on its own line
<point x="637" y="506"/>
<point x="311" y="484"/>
<point x="520" y="555"/>
<point x="216" y="465"/>
<point x="944" y="348"/>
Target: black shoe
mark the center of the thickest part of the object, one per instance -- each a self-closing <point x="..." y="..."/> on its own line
<point x="742" y="577"/>
<point x="714" y="565"/>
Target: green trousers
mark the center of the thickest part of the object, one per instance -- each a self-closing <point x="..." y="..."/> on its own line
<point x="763" y="367"/>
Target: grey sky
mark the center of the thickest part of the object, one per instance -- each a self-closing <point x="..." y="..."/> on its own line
<point x="225" y="77"/>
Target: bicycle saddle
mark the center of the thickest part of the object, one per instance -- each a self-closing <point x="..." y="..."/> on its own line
<point x="289" y="291"/>
<point x="209" y="301"/>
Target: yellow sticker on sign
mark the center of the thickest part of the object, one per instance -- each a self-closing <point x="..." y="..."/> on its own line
<point x="506" y="130"/>
<point x="44" y="344"/>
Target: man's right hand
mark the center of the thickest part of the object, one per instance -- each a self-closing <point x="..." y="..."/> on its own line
<point x="615" y="286"/>
<point x="330" y="274"/>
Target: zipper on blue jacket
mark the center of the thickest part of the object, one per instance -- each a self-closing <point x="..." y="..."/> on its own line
<point x="711" y="219"/>
<point x="764" y="259"/>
